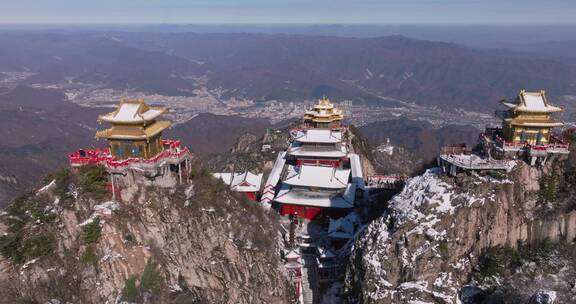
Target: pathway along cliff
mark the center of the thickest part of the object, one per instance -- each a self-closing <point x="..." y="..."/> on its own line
<point x="196" y="243"/>
<point x="500" y="238"/>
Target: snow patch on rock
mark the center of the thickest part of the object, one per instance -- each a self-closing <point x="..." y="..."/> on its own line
<point x="50" y="185"/>
<point x="104" y="209"/>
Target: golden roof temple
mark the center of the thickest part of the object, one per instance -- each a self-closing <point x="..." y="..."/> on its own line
<point x="323" y="115"/>
<point x="135" y="132"/>
<point x="529" y="119"/>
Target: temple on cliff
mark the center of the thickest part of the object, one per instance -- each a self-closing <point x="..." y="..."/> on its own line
<point x="135" y="131"/>
<point x="317" y="175"/>
<point x="527" y="132"/>
<point x="136" y="152"/>
<point x="528" y="119"/>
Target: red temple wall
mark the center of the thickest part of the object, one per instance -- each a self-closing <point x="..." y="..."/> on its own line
<point x="302" y="211"/>
<point x="311" y="212"/>
<point x="251" y="196"/>
<point x="332" y="163"/>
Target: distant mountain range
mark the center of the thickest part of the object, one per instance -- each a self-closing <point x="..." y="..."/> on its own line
<point x="564" y="51"/>
<point x="286" y="67"/>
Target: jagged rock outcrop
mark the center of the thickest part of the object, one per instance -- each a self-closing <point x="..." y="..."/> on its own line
<point x="195" y="243"/>
<point x="385" y="160"/>
<point x="245" y="143"/>
<point x="400" y="161"/>
<point x="436" y="230"/>
<point x="248" y="153"/>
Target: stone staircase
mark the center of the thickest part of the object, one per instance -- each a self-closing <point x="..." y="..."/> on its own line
<point x="310" y="290"/>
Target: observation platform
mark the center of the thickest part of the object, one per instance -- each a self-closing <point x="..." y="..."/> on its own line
<point x="173" y="153"/>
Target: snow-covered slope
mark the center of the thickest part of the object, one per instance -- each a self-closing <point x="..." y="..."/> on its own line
<point x="424" y="248"/>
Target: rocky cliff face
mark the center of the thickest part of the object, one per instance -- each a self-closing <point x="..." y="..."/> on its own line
<point x="385" y="159"/>
<point x="436" y="234"/>
<point x="256" y="154"/>
<point x="195" y="243"/>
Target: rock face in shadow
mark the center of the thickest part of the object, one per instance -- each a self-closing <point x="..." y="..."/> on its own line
<point x="195" y="243"/>
<point x="437" y="229"/>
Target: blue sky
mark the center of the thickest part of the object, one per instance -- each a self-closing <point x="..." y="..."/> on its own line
<point x="294" y="11"/>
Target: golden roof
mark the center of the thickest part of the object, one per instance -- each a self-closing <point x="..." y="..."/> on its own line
<point x="531" y="102"/>
<point x="324" y="111"/>
<point x="134" y="132"/>
<point x="132" y="112"/>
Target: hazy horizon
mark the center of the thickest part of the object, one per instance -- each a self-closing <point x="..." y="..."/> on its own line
<point x="363" y="12"/>
<point x="492" y="35"/>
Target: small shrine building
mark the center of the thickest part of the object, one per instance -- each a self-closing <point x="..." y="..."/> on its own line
<point x="136" y="152"/>
<point x="247" y="183"/>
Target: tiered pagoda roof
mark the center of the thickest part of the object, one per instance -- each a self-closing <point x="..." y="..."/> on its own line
<point x="316" y="172"/>
<point x="133" y="120"/>
<point x="323" y="112"/>
<point x="531" y="109"/>
<point x="317" y="186"/>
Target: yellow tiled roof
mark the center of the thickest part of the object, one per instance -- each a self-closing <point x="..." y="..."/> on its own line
<point x="132" y="112"/>
<point x="134" y="133"/>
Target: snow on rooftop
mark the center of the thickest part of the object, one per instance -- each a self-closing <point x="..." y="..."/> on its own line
<point x="274" y="176"/>
<point x="356" y="166"/>
<point x="292" y="255"/>
<point x="535" y="102"/>
<point x="128" y="112"/>
<point x="532" y="102"/>
<point x="241" y="182"/>
<point x="324" y="199"/>
<point x="317" y="176"/>
<point x="319" y="136"/>
<point x="332" y="151"/>
<point x="344" y="227"/>
<point x="273" y="179"/>
<point x="132" y="112"/>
